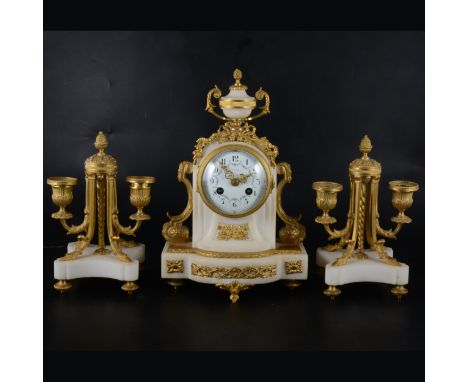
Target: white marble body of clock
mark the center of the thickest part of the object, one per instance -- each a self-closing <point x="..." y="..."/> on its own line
<point x="234" y="223"/>
<point x="246" y="199"/>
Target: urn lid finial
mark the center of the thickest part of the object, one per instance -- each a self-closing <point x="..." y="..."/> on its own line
<point x="237" y="85"/>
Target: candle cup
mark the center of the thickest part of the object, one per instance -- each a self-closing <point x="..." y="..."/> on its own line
<point x="62" y="195"/>
<point x="326" y="200"/>
<point x="140" y="195"/>
<point x="402" y="198"/>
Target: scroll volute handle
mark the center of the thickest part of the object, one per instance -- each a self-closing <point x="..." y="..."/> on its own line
<point x="265" y="109"/>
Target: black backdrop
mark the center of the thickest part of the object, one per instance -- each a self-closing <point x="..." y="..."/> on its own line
<point x="147" y="92"/>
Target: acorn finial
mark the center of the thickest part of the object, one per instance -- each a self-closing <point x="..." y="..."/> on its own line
<point x="237" y="76"/>
<point x="237" y="85"/>
<point x="101" y="142"/>
<point x="365" y="146"/>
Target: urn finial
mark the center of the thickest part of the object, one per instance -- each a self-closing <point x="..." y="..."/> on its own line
<point x="237" y="85"/>
<point x="365" y="146"/>
<point x="101" y="142"/>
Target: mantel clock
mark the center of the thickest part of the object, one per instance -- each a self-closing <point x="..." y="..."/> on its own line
<point x="234" y="197"/>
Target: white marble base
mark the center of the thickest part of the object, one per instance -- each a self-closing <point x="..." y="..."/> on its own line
<point x="136" y="253"/>
<point x="366" y="270"/>
<point x="275" y="264"/>
<point x="90" y="265"/>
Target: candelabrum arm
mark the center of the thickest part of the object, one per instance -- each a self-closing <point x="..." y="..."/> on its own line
<point x="388" y="233"/>
<point x="89" y="206"/>
<point x="130" y="231"/>
<point x="343" y="233"/>
<point x="339" y="233"/>
<point x="74" y="229"/>
<point x="88" y="224"/>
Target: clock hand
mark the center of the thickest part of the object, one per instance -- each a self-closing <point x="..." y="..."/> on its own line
<point x="231" y="176"/>
<point x="227" y="173"/>
<point x="243" y="177"/>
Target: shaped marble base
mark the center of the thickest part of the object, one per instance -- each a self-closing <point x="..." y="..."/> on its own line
<point x="232" y="271"/>
<point x="88" y="264"/>
<point x="371" y="269"/>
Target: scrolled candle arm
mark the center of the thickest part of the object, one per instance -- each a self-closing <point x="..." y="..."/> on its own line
<point x="75" y="229"/>
<point x="326" y="200"/>
<point x="129" y="230"/>
<point x="402" y="199"/>
<point x="139" y="216"/>
<point x="83" y="226"/>
<point x="342" y="234"/>
<point x="338" y="233"/>
<point x="388" y="233"/>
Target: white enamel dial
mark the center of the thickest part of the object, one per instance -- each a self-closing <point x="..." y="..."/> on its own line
<point x="235" y="181"/>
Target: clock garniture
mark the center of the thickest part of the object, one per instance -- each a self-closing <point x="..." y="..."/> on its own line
<point x="347" y="260"/>
<point x="234" y="200"/>
<point x="89" y="260"/>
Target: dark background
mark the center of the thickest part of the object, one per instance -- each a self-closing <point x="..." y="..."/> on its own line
<point x="147" y="92"/>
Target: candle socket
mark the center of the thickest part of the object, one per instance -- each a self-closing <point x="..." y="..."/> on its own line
<point x="62" y="195"/>
<point x="140" y="195"/>
<point x="326" y="200"/>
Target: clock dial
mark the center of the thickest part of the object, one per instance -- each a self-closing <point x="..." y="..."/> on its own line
<point x="235" y="181"/>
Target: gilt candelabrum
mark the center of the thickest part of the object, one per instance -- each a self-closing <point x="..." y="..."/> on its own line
<point x="101" y="212"/>
<point x="362" y="223"/>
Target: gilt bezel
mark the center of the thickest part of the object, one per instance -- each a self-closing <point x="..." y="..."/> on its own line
<point x="231" y="147"/>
